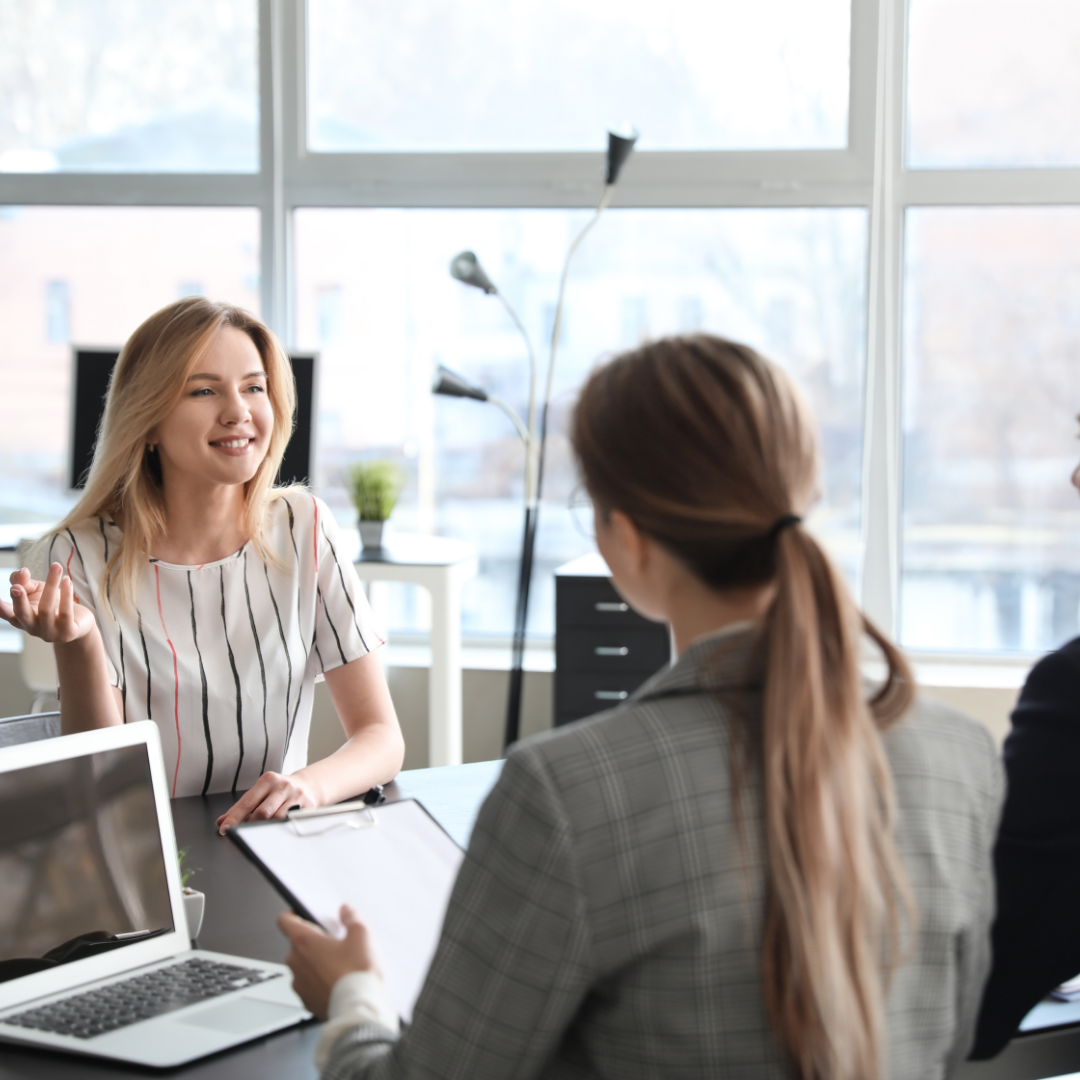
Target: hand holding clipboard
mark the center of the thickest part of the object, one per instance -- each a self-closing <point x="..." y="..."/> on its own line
<point x="393" y="864"/>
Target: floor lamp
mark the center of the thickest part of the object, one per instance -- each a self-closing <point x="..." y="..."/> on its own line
<point x="466" y="268"/>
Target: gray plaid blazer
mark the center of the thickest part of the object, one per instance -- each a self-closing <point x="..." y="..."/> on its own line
<point x="606" y="921"/>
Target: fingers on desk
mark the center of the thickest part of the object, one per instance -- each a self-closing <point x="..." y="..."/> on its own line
<point x="271" y="796"/>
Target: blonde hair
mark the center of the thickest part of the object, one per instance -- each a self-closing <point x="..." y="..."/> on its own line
<point x="147" y="384"/>
<point x="731" y="456"/>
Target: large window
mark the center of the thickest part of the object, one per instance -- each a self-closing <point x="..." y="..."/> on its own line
<point x="78" y="275"/>
<point x="992" y="385"/>
<point x="791" y="282"/>
<point x="991" y="327"/>
<point x="882" y="195"/>
<point x="128" y="86"/>
<point x="993" y="83"/>
<point x="551" y="74"/>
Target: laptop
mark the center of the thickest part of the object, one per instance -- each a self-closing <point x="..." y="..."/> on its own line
<point x="95" y="956"/>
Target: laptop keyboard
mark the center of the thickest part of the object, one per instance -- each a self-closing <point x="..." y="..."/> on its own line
<point x="119" y="1004"/>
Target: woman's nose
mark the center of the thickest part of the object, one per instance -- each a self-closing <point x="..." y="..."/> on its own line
<point x="234" y="408"/>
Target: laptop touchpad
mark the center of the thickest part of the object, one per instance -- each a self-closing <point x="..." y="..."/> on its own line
<point x="242" y="1016"/>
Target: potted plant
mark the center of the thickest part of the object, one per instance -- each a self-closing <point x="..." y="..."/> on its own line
<point x="374" y="487"/>
<point x="194" y="901"/>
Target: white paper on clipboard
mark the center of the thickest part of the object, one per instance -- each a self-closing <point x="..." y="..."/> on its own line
<point x="396" y="873"/>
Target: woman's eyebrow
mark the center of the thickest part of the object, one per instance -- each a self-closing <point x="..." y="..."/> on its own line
<point x="217" y="378"/>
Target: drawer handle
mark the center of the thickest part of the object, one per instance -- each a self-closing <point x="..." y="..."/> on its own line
<point x="611" y="605"/>
<point x="611" y="650"/>
<point x="611" y="695"/>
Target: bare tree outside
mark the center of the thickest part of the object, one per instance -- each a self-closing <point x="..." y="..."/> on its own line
<point x="128" y="85"/>
<point x="553" y="74"/>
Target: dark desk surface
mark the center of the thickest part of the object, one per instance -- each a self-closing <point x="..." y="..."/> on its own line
<point x="240" y="912"/>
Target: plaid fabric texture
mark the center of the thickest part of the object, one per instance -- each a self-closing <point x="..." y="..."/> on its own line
<point x="607" y="918"/>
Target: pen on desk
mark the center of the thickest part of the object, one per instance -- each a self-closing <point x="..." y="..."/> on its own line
<point x="372" y="797"/>
<point x="326" y="811"/>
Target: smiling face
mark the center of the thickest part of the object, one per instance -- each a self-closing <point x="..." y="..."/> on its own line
<point x="220" y="431"/>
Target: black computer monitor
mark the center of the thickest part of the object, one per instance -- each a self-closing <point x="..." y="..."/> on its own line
<point x="91" y="371"/>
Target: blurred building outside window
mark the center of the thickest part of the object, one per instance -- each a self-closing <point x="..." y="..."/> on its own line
<point x="990" y="532"/>
<point x="101" y="257"/>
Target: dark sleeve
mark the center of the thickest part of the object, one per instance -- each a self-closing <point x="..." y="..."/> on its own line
<point x="1036" y="936"/>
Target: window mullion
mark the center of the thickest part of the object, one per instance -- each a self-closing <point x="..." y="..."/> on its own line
<point x="267" y="225"/>
<point x="277" y="42"/>
<point x="881" y="463"/>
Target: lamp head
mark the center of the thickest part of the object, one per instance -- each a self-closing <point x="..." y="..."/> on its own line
<point x="451" y="384"/>
<point x="619" y="148"/>
<point x="465" y="266"/>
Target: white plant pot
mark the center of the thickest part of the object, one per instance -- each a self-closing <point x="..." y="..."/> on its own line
<point x="371" y="534"/>
<point x="194" y="907"/>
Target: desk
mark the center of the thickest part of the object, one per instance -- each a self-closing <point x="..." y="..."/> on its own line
<point x="441" y="566"/>
<point x="240" y="912"/>
<point x="241" y="909"/>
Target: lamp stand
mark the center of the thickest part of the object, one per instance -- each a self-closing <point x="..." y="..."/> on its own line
<point x="465" y="267"/>
<point x="535" y="445"/>
<point x="521" y="615"/>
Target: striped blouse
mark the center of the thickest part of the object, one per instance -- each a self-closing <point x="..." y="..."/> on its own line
<point x="223" y="656"/>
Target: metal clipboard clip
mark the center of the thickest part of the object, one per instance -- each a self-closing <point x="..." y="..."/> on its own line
<point x="350" y="815"/>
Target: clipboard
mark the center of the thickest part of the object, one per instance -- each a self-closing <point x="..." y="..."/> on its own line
<point x="394" y="864"/>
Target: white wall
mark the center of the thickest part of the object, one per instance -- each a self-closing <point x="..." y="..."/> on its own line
<point x="990" y="704"/>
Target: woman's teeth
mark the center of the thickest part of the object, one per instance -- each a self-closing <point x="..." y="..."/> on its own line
<point x="233" y="444"/>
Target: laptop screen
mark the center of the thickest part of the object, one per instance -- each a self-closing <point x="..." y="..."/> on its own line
<point x="81" y="865"/>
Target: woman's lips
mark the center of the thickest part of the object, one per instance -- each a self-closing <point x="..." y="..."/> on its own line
<point x="235" y="447"/>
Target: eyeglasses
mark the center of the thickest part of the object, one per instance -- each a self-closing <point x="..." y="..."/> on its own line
<point x="581" y="512"/>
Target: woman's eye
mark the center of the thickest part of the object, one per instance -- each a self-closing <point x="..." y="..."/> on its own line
<point x="258" y="388"/>
<point x="204" y="391"/>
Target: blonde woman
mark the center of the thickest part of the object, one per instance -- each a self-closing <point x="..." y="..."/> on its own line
<point x="185" y="588"/>
<point x="749" y="868"/>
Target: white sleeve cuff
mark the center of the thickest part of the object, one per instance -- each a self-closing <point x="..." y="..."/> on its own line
<point x="357" y="998"/>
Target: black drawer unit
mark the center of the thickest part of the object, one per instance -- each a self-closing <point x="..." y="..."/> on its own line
<point x="603" y="650"/>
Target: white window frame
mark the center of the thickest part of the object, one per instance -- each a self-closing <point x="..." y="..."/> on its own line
<point x="896" y="189"/>
<point x="869" y="173"/>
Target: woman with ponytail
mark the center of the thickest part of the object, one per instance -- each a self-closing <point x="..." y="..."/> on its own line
<point x="757" y="866"/>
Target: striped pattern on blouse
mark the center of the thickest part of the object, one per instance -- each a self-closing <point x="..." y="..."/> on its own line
<point x="223" y="656"/>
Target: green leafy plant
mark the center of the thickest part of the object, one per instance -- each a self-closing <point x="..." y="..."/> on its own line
<point x="186" y="873"/>
<point x="374" y="487"/>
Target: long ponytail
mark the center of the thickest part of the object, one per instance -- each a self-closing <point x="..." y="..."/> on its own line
<point x="728" y="453"/>
<point x="837" y="890"/>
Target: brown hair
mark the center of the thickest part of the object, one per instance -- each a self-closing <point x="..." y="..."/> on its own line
<point x="706" y="446"/>
<point x="146" y="385"/>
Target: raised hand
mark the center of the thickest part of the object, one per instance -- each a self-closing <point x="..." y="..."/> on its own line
<point x="47" y="609"/>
